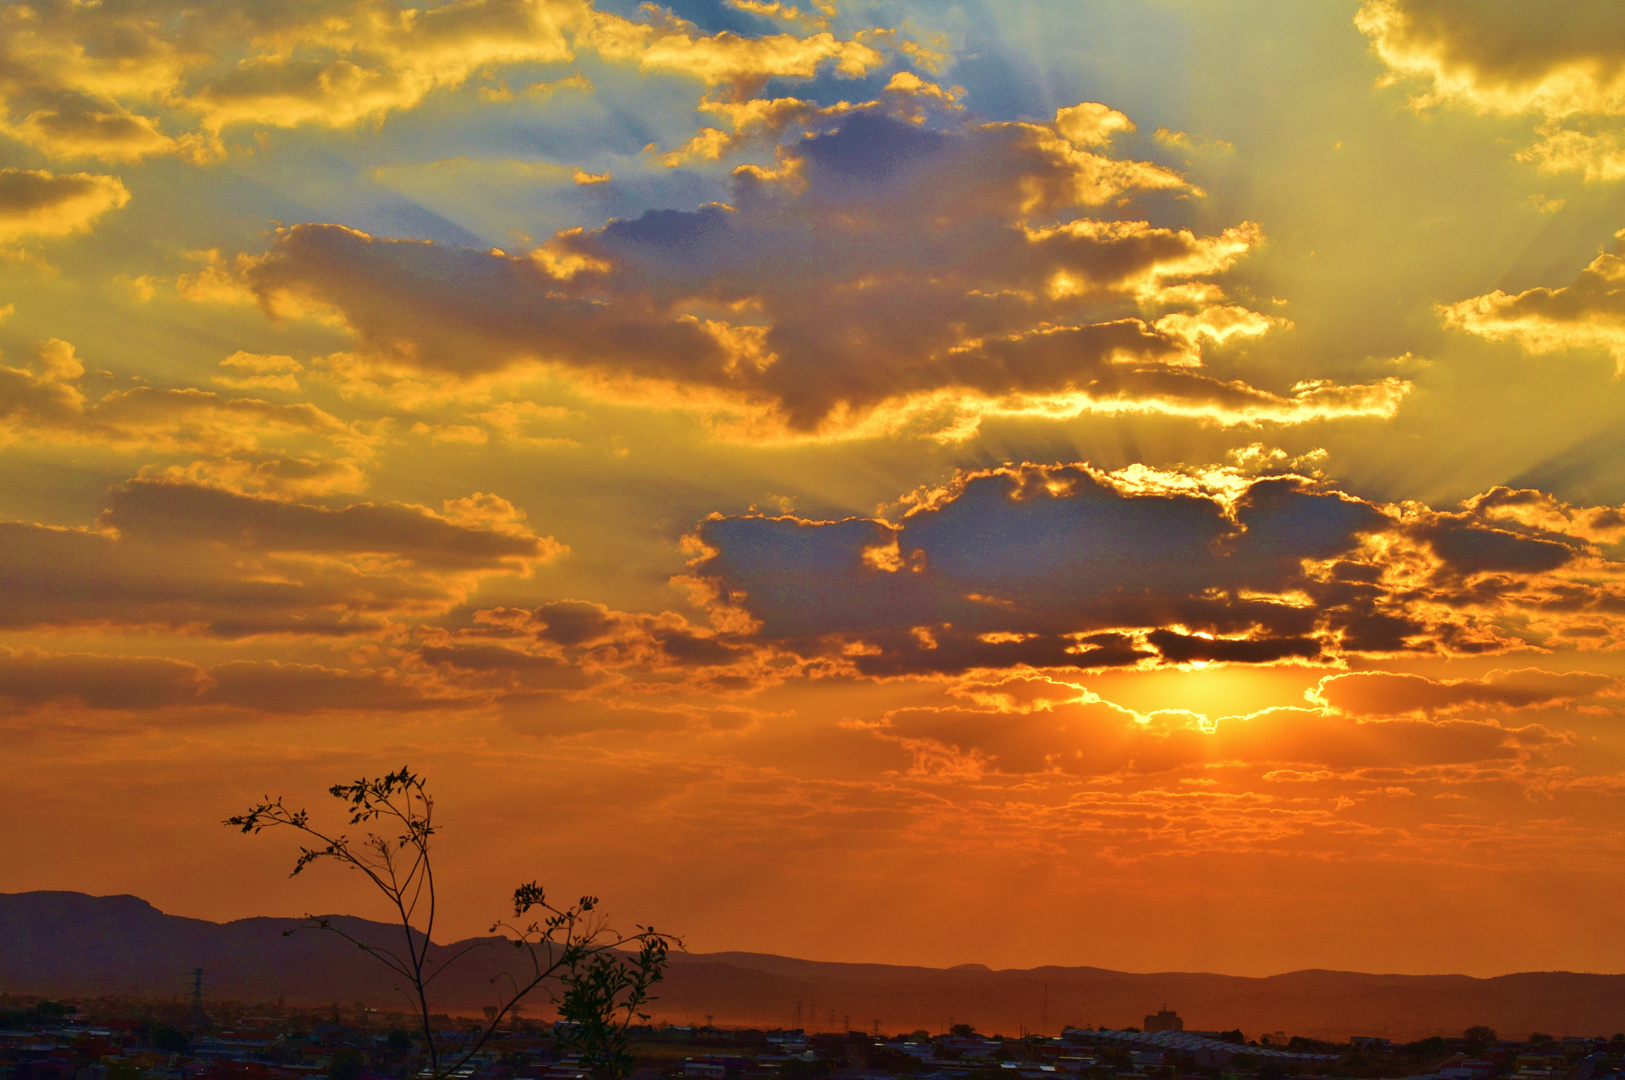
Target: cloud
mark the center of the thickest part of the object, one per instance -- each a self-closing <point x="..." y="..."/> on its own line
<point x="188" y="514"/>
<point x="34" y="203"/>
<point x="90" y="80"/>
<point x="271" y="686"/>
<point x="1381" y="693"/>
<point x="1587" y="313"/>
<point x="274" y="446"/>
<point x="31" y="677"/>
<point x="572" y="644"/>
<point x="884" y="277"/>
<point x="195" y="559"/>
<point x="1091" y="737"/>
<point x="1066" y="566"/>
<point x="1565" y="65"/>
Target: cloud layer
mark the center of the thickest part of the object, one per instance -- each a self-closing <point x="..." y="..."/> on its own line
<point x="153" y="77"/>
<point x="882" y="277"/>
<point x="1066" y="566"/>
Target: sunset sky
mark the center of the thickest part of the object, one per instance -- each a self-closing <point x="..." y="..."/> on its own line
<point x="1134" y="484"/>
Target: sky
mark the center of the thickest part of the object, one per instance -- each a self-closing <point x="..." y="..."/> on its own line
<point x="1089" y="483"/>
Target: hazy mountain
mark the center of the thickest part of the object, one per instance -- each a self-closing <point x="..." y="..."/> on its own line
<point x="65" y="943"/>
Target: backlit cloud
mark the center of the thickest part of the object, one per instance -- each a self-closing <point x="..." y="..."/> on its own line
<point x="1587" y="313"/>
<point x="882" y="278"/>
<point x="1069" y="567"/>
<point x="1565" y="65"/>
<point x="160" y="76"/>
<point x="1380" y="693"/>
<point x="1098" y="738"/>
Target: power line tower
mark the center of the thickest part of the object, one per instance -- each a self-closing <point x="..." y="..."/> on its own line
<point x="197" y="1018"/>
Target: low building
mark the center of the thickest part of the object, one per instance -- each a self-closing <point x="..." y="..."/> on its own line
<point x="1164" y="1020"/>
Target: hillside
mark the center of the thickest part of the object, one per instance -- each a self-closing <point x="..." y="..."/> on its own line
<point x="70" y="943"/>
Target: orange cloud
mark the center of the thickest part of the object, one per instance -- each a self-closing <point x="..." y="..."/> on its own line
<point x="1381" y="693"/>
<point x="1098" y="738"/>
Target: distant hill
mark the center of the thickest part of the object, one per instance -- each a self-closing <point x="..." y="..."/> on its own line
<point x="65" y="943"/>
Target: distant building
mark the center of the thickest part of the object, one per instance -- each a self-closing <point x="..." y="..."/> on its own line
<point x="1166" y="1020"/>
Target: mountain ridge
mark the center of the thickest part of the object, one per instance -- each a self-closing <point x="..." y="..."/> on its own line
<point x="68" y="943"/>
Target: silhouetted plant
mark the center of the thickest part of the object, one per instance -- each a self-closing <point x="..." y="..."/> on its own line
<point x="572" y="952"/>
<point x="1432" y="1046"/>
<point x="347" y="1063"/>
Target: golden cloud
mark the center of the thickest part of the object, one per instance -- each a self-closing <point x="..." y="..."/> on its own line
<point x="46" y="403"/>
<point x="886" y="278"/>
<point x="1587" y="313"/>
<point x="34" y="203"/>
<point x="81" y="80"/>
<point x="1566" y="66"/>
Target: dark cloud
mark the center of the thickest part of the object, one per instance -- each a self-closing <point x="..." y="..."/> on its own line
<point x="1071" y="567"/>
<point x="1469" y="548"/>
<point x="884" y="275"/>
